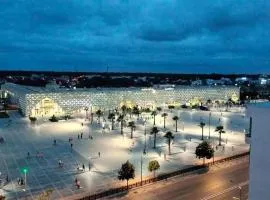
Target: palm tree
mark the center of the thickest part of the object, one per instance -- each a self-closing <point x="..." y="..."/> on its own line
<point x="159" y="109"/>
<point x="121" y="119"/>
<point x="164" y="115"/>
<point x="111" y="117"/>
<point x="154" y="114"/>
<point x="99" y="114"/>
<point x="220" y="130"/>
<point x="169" y="137"/>
<point x="175" y="118"/>
<point x="132" y="127"/>
<point x="124" y="109"/>
<point x="136" y="111"/>
<point x="202" y="124"/>
<point x="129" y="110"/>
<point x="154" y="132"/>
<point x="171" y="107"/>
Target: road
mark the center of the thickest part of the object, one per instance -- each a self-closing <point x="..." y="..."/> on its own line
<point x="199" y="186"/>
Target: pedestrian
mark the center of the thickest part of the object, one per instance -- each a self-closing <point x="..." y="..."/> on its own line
<point x="81" y="134"/>
<point x="28" y="155"/>
<point x="78" y="185"/>
<point x="83" y="167"/>
<point x="82" y="124"/>
<point x="71" y="145"/>
<point x="21" y="181"/>
<point x="216" y="147"/>
<point x="54" y="142"/>
<point x="78" y="136"/>
<point x="89" y="166"/>
<point x="7" y="179"/>
<point x="91" y="137"/>
<point x="223" y="149"/>
<point x="98" y="154"/>
<point x="59" y="163"/>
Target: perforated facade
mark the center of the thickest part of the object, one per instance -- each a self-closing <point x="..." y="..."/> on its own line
<point x="45" y="102"/>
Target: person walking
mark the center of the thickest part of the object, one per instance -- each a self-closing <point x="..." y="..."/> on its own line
<point x="83" y="167"/>
<point x="78" y="136"/>
<point x="28" y="155"/>
<point x="89" y="166"/>
<point x="77" y="183"/>
<point x="81" y="135"/>
<point x="99" y="154"/>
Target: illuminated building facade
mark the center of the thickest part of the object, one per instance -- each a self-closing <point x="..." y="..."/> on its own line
<point x="45" y="102"/>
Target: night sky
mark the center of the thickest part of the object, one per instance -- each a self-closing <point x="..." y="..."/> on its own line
<point x="183" y="36"/>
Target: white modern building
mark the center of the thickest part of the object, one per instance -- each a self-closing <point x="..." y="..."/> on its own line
<point x="48" y="101"/>
<point x="259" y="178"/>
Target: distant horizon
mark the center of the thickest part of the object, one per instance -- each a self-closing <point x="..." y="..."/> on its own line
<point x="127" y="72"/>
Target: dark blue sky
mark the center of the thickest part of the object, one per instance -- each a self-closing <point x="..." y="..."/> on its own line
<point x="136" y="35"/>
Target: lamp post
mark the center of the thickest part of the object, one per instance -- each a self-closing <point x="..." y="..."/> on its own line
<point x="25" y="170"/>
<point x="141" y="169"/>
<point x="240" y="192"/>
<point x="144" y="151"/>
<point x="209" y="123"/>
<point x="86" y="112"/>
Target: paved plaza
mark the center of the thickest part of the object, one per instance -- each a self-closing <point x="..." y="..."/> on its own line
<point x="101" y="170"/>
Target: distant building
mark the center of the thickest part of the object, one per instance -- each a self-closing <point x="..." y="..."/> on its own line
<point x="52" y="100"/>
<point x="163" y="86"/>
<point x="197" y="82"/>
<point x="241" y="80"/>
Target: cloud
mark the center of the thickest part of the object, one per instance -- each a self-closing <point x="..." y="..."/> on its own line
<point x="153" y="35"/>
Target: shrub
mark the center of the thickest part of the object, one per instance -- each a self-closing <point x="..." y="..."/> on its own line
<point x="33" y="119"/>
<point x="53" y="119"/>
<point x="67" y="117"/>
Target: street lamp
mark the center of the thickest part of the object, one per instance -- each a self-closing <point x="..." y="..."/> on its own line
<point x="240" y="192"/>
<point x="209" y="123"/>
<point x="144" y="151"/>
<point x="25" y="170"/>
<point x="86" y="112"/>
<point x="141" y="169"/>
